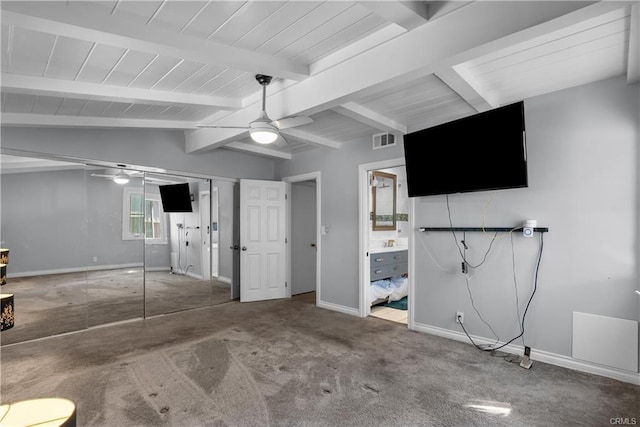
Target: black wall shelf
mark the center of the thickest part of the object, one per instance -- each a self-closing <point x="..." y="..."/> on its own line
<point x="483" y="229"/>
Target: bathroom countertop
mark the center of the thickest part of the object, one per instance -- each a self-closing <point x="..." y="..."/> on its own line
<point x="388" y="249"/>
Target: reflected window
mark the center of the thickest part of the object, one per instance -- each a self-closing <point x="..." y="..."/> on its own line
<point x="143" y="217"/>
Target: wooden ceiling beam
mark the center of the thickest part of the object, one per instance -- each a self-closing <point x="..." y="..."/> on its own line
<point x="407" y="14"/>
<point x="368" y="117"/>
<point x="259" y="150"/>
<point x="48" y="17"/>
<point x="46" y="120"/>
<point x="35" y="85"/>
<point x="469" y="32"/>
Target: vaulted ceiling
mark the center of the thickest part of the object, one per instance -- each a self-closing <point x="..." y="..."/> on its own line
<point x="355" y="68"/>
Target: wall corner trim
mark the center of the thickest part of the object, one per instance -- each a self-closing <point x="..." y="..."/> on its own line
<point x="339" y="308"/>
<point x="538" y="355"/>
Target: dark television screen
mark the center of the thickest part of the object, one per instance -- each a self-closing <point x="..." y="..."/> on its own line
<point x="486" y="151"/>
<point x="176" y="198"/>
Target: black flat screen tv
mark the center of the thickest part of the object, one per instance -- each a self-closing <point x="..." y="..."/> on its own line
<point x="485" y="151"/>
<point x="176" y="198"/>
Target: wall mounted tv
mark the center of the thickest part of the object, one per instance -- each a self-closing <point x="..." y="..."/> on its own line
<point x="486" y="151"/>
<point x="176" y="198"/>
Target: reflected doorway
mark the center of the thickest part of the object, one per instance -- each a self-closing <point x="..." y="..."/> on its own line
<point x="175" y="277"/>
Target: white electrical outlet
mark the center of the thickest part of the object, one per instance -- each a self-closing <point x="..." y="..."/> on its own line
<point x="459" y="317"/>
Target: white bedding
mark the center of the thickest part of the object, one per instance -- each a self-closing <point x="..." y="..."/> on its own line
<point x="392" y="289"/>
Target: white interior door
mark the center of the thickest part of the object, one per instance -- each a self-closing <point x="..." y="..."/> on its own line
<point x="262" y="240"/>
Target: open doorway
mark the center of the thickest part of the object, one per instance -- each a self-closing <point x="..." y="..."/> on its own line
<point x="385" y="230"/>
<point x="209" y="233"/>
<point x="304" y="217"/>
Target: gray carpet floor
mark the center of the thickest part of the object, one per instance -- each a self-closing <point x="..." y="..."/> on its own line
<point x="58" y="303"/>
<point x="289" y="363"/>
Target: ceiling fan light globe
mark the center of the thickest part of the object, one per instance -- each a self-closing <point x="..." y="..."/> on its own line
<point x="263" y="136"/>
<point x="121" y="179"/>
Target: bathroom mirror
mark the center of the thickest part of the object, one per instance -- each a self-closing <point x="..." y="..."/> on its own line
<point x="383" y="194"/>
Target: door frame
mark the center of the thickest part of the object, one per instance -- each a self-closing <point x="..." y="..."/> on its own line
<point x="201" y="194"/>
<point x="311" y="176"/>
<point x="364" y="192"/>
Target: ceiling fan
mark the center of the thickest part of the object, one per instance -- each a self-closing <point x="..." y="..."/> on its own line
<point x="121" y="177"/>
<point x="263" y="130"/>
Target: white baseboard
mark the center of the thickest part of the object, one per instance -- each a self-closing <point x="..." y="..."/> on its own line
<point x="538" y="355"/>
<point x="591" y="368"/>
<point x="224" y="279"/>
<point x="74" y="270"/>
<point x="339" y="308"/>
<point x="167" y="268"/>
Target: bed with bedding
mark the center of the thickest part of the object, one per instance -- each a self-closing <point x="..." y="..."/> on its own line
<point x="388" y="290"/>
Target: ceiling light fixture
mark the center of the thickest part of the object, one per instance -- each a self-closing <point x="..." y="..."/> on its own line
<point x="263" y="132"/>
<point x="121" y="179"/>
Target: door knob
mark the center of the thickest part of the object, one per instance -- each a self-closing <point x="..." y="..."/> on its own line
<point x="244" y="248"/>
<point x="313" y="245"/>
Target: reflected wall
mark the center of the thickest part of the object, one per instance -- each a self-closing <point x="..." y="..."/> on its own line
<point x="43" y="224"/>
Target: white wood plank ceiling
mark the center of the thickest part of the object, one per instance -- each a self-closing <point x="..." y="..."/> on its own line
<point x="355" y="68"/>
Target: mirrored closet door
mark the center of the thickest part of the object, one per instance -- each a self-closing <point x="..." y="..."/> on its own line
<point x="115" y="253"/>
<point x="176" y="217"/>
<point x="44" y="228"/>
<point x="92" y="245"/>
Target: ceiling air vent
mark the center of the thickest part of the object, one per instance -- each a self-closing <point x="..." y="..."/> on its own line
<point x="383" y="140"/>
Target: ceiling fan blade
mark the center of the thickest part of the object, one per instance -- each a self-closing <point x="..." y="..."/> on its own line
<point x="100" y="175"/>
<point x="293" y="121"/>
<point x="280" y="142"/>
<point x="223" y="127"/>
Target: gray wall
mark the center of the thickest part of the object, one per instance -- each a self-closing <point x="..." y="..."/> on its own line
<point x="145" y="147"/>
<point x="44" y="220"/>
<point x="339" y="186"/>
<point x="583" y="185"/>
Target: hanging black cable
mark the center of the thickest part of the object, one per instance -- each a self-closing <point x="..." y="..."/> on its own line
<point x="455" y="239"/>
<point x="524" y="315"/>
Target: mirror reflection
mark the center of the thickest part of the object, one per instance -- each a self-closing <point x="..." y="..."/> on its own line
<point x="114" y="259"/>
<point x="44" y="227"/>
<point x="93" y="245"/>
<point x="176" y="213"/>
<point x="383" y="192"/>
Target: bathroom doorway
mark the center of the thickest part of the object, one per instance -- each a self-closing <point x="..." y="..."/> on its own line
<point x="385" y="236"/>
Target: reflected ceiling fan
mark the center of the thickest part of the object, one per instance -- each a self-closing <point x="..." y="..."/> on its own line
<point x="263" y="130"/>
<point x="123" y="176"/>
